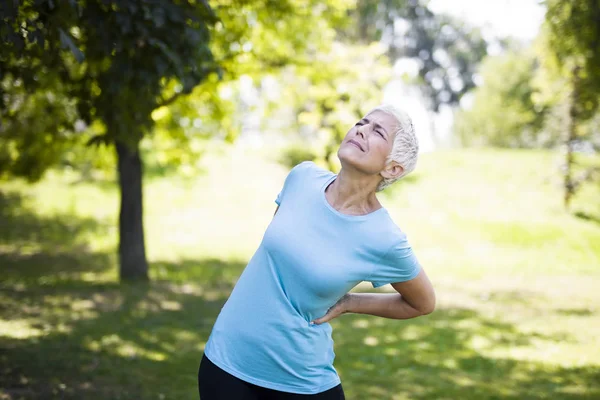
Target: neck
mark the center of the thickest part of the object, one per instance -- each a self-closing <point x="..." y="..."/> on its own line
<point x="353" y="193"/>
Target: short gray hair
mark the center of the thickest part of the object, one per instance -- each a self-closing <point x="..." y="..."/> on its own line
<point x="405" y="149"/>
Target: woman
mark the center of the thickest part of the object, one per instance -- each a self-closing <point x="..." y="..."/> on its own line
<point x="272" y="339"/>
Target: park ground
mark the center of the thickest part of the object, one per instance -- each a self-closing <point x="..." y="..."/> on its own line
<point x="517" y="281"/>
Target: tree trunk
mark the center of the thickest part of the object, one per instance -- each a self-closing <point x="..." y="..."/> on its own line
<point x="569" y="187"/>
<point x="132" y="251"/>
<point x="571" y="137"/>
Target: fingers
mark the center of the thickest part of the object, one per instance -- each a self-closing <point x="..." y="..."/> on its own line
<point x="336" y="310"/>
<point x="325" y="318"/>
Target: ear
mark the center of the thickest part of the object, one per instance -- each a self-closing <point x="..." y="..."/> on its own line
<point x="392" y="170"/>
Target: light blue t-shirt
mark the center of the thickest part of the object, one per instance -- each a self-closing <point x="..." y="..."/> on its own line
<point x="309" y="257"/>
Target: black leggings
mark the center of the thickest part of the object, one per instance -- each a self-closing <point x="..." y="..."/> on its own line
<point x="216" y="384"/>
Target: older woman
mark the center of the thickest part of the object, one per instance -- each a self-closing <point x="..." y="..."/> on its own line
<point x="272" y="339"/>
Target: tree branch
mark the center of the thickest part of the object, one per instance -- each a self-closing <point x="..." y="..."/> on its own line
<point x="169" y="100"/>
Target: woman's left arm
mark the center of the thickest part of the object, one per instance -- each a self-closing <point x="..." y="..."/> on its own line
<point x="415" y="297"/>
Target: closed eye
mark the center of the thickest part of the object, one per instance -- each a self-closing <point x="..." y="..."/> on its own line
<point x="362" y="122"/>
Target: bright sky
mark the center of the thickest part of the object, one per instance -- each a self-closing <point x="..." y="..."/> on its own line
<point x="518" y="18"/>
<point x="500" y="18"/>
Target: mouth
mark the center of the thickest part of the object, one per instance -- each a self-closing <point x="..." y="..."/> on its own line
<point x="355" y="143"/>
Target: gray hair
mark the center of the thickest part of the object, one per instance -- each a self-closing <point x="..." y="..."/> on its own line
<point x="405" y="149"/>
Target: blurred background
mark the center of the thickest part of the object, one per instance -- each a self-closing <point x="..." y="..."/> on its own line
<point x="196" y="110"/>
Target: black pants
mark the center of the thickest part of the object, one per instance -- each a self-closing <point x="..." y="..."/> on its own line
<point x="216" y="384"/>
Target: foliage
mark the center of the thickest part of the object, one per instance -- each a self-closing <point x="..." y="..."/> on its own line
<point x="505" y="110"/>
<point x="572" y="51"/>
<point x="294" y="154"/>
<point x="526" y="93"/>
<point x="118" y="61"/>
<point x="28" y="136"/>
<point x="216" y="108"/>
<point x="447" y="51"/>
<point x="113" y="60"/>
<point x="338" y="89"/>
<point x="573" y="44"/>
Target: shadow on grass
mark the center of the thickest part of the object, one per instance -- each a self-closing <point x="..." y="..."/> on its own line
<point x="108" y="341"/>
<point x="139" y="341"/>
<point x="221" y="274"/>
<point x="79" y="339"/>
<point x="33" y="247"/>
<point x="65" y="335"/>
<point x="588" y="217"/>
<point x="579" y="312"/>
<point x="23" y="227"/>
<point x="447" y="355"/>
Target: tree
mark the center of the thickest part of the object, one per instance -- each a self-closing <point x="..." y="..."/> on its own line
<point x="128" y="51"/>
<point x="446" y="50"/>
<point x="505" y="109"/>
<point x="116" y="62"/>
<point x="573" y="53"/>
<point x="573" y="40"/>
<point x="338" y="87"/>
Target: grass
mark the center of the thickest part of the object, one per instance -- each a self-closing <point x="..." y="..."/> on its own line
<point x="517" y="280"/>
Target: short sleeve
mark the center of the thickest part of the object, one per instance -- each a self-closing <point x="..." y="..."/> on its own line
<point x="398" y="265"/>
<point x="292" y="175"/>
<point x="281" y="193"/>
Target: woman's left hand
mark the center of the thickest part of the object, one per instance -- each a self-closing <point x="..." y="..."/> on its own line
<point x="341" y="307"/>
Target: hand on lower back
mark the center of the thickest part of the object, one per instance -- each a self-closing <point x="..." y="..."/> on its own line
<point x="339" y="308"/>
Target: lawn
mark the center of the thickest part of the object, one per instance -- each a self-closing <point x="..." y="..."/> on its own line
<point x="517" y="280"/>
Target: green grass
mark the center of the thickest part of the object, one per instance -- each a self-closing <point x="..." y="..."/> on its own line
<point x="516" y="276"/>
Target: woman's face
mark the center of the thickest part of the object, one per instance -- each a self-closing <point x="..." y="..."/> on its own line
<point x="368" y="144"/>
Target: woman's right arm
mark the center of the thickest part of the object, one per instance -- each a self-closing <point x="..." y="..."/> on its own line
<point x="414" y="299"/>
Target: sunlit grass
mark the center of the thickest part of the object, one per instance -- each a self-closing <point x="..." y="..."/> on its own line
<point x="516" y="276"/>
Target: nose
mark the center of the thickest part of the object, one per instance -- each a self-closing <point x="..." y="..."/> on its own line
<point x="360" y="132"/>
